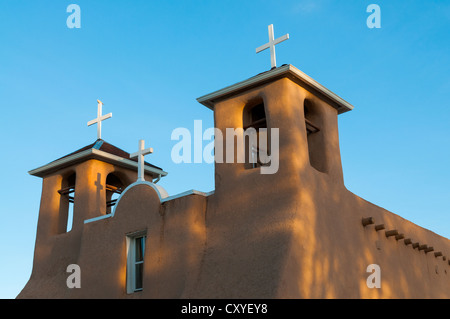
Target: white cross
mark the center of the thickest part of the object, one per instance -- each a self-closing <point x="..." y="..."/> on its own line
<point x="140" y="155"/>
<point x="99" y="119"/>
<point x="271" y="45"/>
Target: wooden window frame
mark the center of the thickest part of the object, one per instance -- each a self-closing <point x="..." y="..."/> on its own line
<point x="131" y="261"/>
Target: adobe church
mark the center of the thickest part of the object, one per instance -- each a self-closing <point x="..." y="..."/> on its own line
<point x="298" y="233"/>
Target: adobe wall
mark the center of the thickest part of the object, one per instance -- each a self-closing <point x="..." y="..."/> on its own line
<point x="298" y="233"/>
<point x="174" y="246"/>
<point x="294" y="234"/>
<point x="305" y="248"/>
<point x="55" y="248"/>
<point x="331" y="250"/>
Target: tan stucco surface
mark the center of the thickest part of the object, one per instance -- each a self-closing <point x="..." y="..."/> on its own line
<point x="293" y="234"/>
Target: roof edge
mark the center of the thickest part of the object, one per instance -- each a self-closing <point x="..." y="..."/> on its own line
<point x="92" y="154"/>
<point x="284" y="70"/>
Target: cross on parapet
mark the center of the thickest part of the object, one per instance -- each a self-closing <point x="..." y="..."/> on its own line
<point x="140" y="156"/>
<point x="271" y="45"/>
<point x="99" y="119"/>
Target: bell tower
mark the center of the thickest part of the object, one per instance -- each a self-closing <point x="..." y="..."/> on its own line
<point x="298" y="116"/>
<point x="77" y="187"/>
<point x="273" y="208"/>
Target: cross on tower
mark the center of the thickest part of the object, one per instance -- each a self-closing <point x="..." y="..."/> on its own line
<point x="99" y="119"/>
<point x="140" y="156"/>
<point x="271" y="45"/>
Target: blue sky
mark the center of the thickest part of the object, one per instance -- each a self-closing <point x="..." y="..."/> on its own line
<point x="148" y="61"/>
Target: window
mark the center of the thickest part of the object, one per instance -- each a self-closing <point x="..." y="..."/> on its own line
<point x="256" y="138"/>
<point x="67" y="201"/>
<point x="315" y="137"/>
<point x="135" y="261"/>
<point x="114" y="188"/>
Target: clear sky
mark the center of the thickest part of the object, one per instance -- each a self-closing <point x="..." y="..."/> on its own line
<point x="148" y="61"/>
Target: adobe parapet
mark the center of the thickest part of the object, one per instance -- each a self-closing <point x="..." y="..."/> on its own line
<point x="160" y="191"/>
